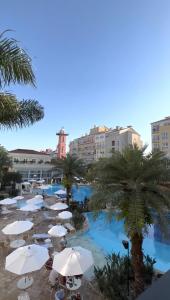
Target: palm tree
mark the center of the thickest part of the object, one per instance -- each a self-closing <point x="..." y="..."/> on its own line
<point x="15" y="67"/>
<point x="5" y="161"/>
<point x="132" y="186"/>
<point x="71" y="167"/>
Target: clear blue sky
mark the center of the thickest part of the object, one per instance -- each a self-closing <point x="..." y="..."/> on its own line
<point x="96" y="62"/>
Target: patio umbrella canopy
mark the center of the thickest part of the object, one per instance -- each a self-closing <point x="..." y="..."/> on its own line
<point x="34" y="201"/>
<point x="26" y="259"/>
<point x="58" y="231"/>
<point x="44" y="187"/>
<point x="59" y="206"/>
<point x="60" y="192"/>
<point x="64" y="215"/>
<point x="17" y="227"/>
<point x="73" y="261"/>
<point x="8" y="201"/>
<point x="18" y="198"/>
<point x="29" y="207"/>
<point x="38" y="197"/>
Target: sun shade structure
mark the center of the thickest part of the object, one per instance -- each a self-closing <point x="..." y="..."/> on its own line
<point x="65" y="215"/>
<point x="73" y="261"/>
<point x="17" y="227"/>
<point x="29" y="207"/>
<point x="38" y="197"/>
<point x="26" y="259"/>
<point x="18" y="198"/>
<point x="8" y="201"/>
<point x="59" y="206"/>
<point x="34" y="201"/>
<point x="57" y="231"/>
<point x="60" y="192"/>
<point x="44" y="187"/>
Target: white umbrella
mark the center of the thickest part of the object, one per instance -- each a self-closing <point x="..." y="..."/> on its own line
<point x="18" y="198"/>
<point x="26" y="259"/>
<point x="59" y="206"/>
<point x="32" y="180"/>
<point x="60" y="192"/>
<point x="8" y="201"/>
<point x="26" y="183"/>
<point x="17" y="227"/>
<point x="38" y="197"/>
<point x="34" y="201"/>
<point x="65" y="215"/>
<point x="29" y="207"/>
<point x="41" y="181"/>
<point x="44" y="187"/>
<point x="73" y="261"/>
<point x="58" y="231"/>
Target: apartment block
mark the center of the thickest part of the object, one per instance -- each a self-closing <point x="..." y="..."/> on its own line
<point x="102" y="141"/>
<point x="160" y="132"/>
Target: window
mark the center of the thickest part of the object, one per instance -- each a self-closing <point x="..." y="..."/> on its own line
<point x="113" y="143"/>
<point x="155" y="128"/>
<point x="164" y="135"/>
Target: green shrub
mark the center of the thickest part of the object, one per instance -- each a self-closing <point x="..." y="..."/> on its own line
<point x="112" y="278"/>
<point x="78" y="219"/>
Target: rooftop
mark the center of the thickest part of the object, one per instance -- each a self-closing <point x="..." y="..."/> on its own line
<point x="27" y="151"/>
<point x="165" y="119"/>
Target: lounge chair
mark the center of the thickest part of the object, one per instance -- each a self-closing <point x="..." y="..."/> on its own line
<point x="47" y="216"/>
<point x="69" y="227"/>
<point x="23" y="296"/>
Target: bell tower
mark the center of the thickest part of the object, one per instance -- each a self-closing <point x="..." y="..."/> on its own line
<point x="61" y="147"/>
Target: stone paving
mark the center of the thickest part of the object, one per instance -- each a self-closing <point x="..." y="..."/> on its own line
<point x="40" y="289"/>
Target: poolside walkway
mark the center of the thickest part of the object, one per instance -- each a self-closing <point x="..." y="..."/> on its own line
<point x="40" y="288"/>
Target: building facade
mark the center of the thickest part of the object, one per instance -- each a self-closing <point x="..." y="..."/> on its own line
<point x="31" y="164"/>
<point x="61" y="147"/>
<point x="102" y="141"/>
<point x="119" y="138"/>
<point x="160" y="132"/>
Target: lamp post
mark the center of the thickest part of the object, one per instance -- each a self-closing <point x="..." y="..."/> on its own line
<point x="126" y="246"/>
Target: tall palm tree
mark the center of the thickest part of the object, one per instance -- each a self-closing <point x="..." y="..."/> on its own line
<point x="71" y="167"/>
<point x="5" y="161"/>
<point x="132" y="185"/>
<point x="16" y="68"/>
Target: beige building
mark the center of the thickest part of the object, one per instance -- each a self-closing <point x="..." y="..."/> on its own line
<point x="160" y="131"/>
<point x="119" y="138"/>
<point x="31" y="164"/>
<point x="101" y="141"/>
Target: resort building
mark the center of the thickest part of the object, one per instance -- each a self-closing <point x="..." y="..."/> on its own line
<point x="160" y="131"/>
<point x="61" y="147"/>
<point x="101" y="141"/>
<point x="31" y="164"/>
<point x="119" y="138"/>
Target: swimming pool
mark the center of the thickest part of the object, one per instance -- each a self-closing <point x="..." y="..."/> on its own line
<point x="79" y="193"/>
<point x="104" y="238"/>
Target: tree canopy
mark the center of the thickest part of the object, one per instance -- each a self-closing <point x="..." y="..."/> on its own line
<point x="16" y="68"/>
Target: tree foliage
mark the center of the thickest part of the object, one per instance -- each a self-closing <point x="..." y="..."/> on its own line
<point x="71" y="167"/>
<point x="5" y="161"/>
<point x="16" y="68"/>
<point x="132" y="186"/>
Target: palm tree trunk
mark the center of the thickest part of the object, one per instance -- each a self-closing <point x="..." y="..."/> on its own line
<point x="68" y="191"/>
<point x="137" y="262"/>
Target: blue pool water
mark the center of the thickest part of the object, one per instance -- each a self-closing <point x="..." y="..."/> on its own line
<point x="108" y="237"/>
<point x="79" y="193"/>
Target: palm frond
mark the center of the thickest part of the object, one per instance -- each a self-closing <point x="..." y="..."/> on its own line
<point x="14" y="113"/>
<point x="15" y="63"/>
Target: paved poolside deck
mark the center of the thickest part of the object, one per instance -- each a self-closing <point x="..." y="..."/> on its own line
<point x="40" y="289"/>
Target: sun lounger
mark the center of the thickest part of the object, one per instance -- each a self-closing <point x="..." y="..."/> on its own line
<point x="69" y="227"/>
<point x="48" y="217"/>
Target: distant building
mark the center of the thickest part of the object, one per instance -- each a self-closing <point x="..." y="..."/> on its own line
<point x="160" y="132"/>
<point x="31" y="164"/>
<point x="119" y="138"/>
<point x="61" y="147"/>
<point x="102" y="141"/>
